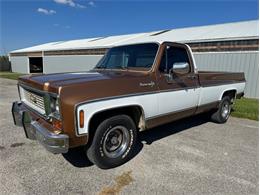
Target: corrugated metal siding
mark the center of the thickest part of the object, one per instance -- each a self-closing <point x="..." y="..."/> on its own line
<point x="247" y="62"/>
<point x="20" y="64"/>
<point x="73" y="63"/>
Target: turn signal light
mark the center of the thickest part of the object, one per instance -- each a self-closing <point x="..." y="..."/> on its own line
<point x="81" y="118"/>
<point x="57" y="124"/>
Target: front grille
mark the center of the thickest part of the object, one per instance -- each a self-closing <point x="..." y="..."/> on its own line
<point x="33" y="100"/>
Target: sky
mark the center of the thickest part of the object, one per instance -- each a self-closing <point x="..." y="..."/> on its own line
<point x="25" y="23"/>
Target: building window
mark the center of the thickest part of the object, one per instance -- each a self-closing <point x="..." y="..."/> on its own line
<point x="36" y="64"/>
<point x="218" y="46"/>
<point x="100" y="51"/>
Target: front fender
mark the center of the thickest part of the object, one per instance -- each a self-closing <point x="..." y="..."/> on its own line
<point x="94" y="107"/>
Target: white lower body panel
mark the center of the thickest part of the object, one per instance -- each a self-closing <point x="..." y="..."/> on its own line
<point x="157" y="103"/>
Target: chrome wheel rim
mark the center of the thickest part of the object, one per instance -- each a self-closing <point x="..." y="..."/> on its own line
<point x="116" y="141"/>
<point x="225" y="110"/>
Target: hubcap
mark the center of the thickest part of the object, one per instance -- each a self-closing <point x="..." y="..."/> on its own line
<point x="116" y="141"/>
<point x="225" y="110"/>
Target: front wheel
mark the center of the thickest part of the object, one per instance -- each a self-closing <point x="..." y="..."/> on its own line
<point x="223" y="112"/>
<point x="113" y="142"/>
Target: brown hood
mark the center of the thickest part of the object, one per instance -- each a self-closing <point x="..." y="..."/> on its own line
<point x="52" y="82"/>
<point x="58" y="79"/>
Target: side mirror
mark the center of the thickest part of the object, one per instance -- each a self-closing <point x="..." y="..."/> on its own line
<point x="180" y="68"/>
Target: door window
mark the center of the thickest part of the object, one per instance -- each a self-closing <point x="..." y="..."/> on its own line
<point x="172" y="55"/>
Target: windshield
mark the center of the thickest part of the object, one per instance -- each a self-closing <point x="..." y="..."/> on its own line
<point x="131" y="56"/>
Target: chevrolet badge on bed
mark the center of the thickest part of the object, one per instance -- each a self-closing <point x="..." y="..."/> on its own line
<point x="133" y="88"/>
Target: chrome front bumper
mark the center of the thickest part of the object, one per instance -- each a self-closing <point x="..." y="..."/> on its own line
<point x="55" y="143"/>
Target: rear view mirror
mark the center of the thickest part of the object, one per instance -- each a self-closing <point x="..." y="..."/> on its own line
<point x="180" y="67"/>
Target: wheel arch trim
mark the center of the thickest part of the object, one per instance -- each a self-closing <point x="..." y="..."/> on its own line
<point x="231" y="89"/>
<point x="90" y="113"/>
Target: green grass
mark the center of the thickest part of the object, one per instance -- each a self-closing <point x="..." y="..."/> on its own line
<point x="10" y="75"/>
<point x="246" y="108"/>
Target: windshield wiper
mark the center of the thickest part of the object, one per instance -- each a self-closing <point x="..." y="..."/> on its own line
<point x="100" y="67"/>
<point x="113" y="67"/>
<point x="120" y="67"/>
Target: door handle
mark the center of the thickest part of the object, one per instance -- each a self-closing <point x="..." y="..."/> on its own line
<point x="192" y="77"/>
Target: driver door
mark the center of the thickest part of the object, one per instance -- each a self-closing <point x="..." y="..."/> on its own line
<point x="178" y="83"/>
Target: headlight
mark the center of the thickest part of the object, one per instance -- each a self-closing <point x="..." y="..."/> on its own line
<point x="55" y="106"/>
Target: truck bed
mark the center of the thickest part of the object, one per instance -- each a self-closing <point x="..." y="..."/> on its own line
<point x="209" y="78"/>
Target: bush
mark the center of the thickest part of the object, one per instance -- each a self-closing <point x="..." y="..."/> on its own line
<point x="5" y="64"/>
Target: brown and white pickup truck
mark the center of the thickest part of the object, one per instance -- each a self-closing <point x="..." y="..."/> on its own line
<point x="133" y="88"/>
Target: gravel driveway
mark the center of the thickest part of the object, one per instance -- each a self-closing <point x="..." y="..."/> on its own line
<point x="192" y="156"/>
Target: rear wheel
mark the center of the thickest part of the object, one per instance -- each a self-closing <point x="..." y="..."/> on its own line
<point x="223" y="112"/>
<point x="113" y="142"/>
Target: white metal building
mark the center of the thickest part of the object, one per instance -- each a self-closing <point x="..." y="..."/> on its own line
<point x="221" y="47"/>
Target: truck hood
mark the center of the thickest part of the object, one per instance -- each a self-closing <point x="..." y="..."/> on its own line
<point x="64" y="77"/>
<point x="52" y="82"/>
